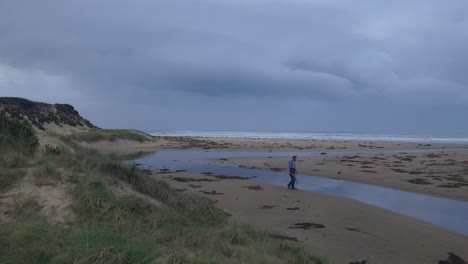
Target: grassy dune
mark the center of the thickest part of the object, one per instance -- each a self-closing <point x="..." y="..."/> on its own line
<point x="111" y="228"/>
<point x="40" y="114"/>
<point x="95" y="135"/>
<point x="18" y="142"/>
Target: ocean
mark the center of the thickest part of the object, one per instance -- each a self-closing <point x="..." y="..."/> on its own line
<point x="318" y="136"/>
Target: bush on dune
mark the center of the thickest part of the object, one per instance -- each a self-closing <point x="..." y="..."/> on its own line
<point x="18" y="141"/>
<point x="17" y="134"/>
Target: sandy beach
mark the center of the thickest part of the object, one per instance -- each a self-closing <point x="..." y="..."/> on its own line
<point x="342" y="230"/>
<point x="252" y="144"/>
<point x="441" y="171"/>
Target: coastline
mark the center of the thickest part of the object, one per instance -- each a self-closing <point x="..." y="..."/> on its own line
<point x="423" y="139"/>
<point x="352" y="231"/>
<point x="441" y="171"/>
<point x="263" y="144"/>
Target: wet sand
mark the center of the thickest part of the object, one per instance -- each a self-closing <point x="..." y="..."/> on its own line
<point x="342" y="230"/>
<point x="439" y="173"/>
<point x="249" y="144"/>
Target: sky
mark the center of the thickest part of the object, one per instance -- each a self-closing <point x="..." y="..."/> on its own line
<point x="369" y="66"/>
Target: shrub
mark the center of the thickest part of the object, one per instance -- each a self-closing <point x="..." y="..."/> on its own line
<point x="17" y="134"/>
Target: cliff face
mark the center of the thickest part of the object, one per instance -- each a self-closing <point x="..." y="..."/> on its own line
<point x="43" y="116"/>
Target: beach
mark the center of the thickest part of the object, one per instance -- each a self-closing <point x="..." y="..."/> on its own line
<point x="342" y="230"/>
<point x="438" y="171"/>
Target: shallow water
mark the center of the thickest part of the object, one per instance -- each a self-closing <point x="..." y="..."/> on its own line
<point x="447" y="213"/>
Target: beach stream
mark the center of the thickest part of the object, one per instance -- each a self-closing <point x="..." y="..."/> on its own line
<point x="446" y="213"/>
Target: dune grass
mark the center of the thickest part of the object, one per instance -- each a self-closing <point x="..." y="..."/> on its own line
<point x="18" y="142"/>
<point x="8" y="177"/>
<point x="12" y="167"/>
<point x="46" y="174"/>
<point x="95" y="135"/>
<point x="17" y="135"/>
<point x="185" y="228"/>
<point x="40" y="114"/>
<point x="131" y="156"/>
<point x="26" y="209"/>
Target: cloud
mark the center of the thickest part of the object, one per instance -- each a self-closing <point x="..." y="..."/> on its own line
<point x="325" y="56"/>
<point x="34" y="84"/>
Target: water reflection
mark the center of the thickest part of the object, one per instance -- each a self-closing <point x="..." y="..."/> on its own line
<point x="447" y="213"/>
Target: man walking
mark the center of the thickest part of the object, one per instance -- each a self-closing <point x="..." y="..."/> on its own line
<point x="292" y="173"/>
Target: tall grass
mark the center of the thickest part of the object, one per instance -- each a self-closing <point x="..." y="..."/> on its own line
<point x="17" y="142"/>
<point x="95" y="135"/>
<point x="8" y="177"/>
<point x="12" y="164"/>
<point x="26" y="209"/>
<point x="47" y="174"/>
<point x="131" y="156"/>
<point x="41" y="242"/>
<point x="196" y="208"/>
<point x="175" y="231"/>
<point x="113" y="229"/>
<point x="16" y="134"/>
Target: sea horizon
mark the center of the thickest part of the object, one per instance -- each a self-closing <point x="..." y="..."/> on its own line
<point x="318" y="136"/>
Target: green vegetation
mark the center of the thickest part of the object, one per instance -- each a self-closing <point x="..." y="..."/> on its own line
<point x="68" y="115"/>
<point x="8" y="177"/>
<point x="95" y="135"/>
<point x="165" y="227"/>
<point x="46" y="174"/>
<point x="26" y="209"/>
<point x="18" y="142"/>
<point x="132" y="156"/>
<point x="39" y="114"/>
<point x="17" y="134"/>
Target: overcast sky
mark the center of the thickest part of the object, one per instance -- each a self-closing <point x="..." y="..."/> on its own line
<point x="370" y="66"/>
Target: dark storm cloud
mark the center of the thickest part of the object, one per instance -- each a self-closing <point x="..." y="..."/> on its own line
<point x="344" y="54"/>
<point x="183" y="41"/>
